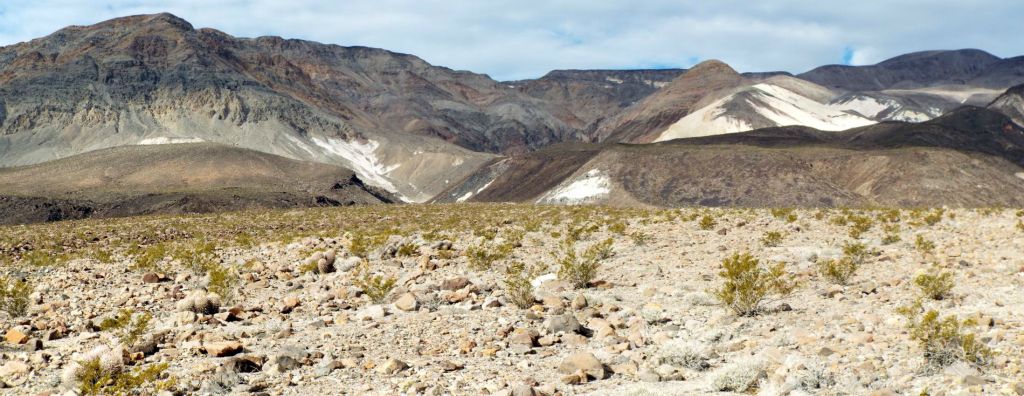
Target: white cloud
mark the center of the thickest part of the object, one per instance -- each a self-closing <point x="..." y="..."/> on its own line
<point x="522" y="39"/>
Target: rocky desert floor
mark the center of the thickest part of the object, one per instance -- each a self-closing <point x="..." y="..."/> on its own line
<point x="422" y="299"/>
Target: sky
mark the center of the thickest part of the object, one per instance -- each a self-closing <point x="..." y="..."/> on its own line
<point x="520" y="39"/>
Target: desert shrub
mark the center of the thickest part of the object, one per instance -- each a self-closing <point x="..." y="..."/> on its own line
<point x="222" y="281"/>
<point x="375" y="287"/>
<point x="94" y="379"/>
<point x="747" y="284"/>
<point x="618" y="227"/>
<point x="407" y="250"/>
<point x="361" y="245"/>
<point x="640" y="238"/>
<point x="935" y="286"/>
<point x="151" y="257"/>
<point x="14" y="296"/>
<point x="130" y="327"/>
<point x="772" y="239"/>
<point x="39" y="258"/>
<point x="838" y="271"/>
<point x="706" y="222"/>
<point x="892" y="233"/>
<point x="482" y="257"/>
<point x="934" y="217"/>
<point x="739" y="377"/>
<point x="101" y="255"/>
<point x="785" y="214"/>
<point x="580" y="269"/>
<point x="199" y="255"/>
<point x="814" y="377"/>
<point x="856" y="251"/>
<point x="889" y="216"/>
<point x="943" y="338"/>
<point x="680" y="353"/>
<point x="859" y="225"/>
<point x="923" y="245"/>
<point x="1020" y="225"/>
<point x="518" y="286"/>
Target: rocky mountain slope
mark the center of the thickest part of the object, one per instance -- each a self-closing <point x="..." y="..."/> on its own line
<point x="1011" y="104"/>
<point x="670" y="103"/>
<point x="174" y="178"/>
<point x="971" y="157"/>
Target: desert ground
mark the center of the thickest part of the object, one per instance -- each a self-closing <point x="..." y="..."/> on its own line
<point x="512" y="299"/>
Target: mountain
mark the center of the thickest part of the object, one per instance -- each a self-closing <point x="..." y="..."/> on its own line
<point x="398" y="121"/>
<point x="173" y="178"/>
<point x="593" y="95"/>
<point x="968" y="67"/>
<point x="668" y="104"/>
<point x="1011" y="104"/>
<point x="970" y="157"/>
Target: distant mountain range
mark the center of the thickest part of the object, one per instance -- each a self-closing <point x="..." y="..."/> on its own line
<point x="411" y="131"/>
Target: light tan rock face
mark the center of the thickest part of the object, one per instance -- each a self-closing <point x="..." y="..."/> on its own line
<point x="649" y="322"/>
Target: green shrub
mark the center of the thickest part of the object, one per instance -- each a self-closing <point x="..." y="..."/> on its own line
<point x="618" y="227"/>
<point x="892" y="234"/>
<point x="857" y="252"/>
<point x="934" y="217"/>
<point x="518" y="286"/>
<point x="14" y="296"/>
<point x="772" y="239"/>
<point x="859" y="225"/>
<point x="129" y="326"/>
<point x="923" y="245"/>
<point x="483" y="257"/>
<point x="747" y="284"/>
<point x="707" y="222"/>
<point x="942" y="338"/>
<point x="580" y="269"/>
<point x="94" y="380"/>
<point x="784" y="214"/>
<point x="935" y="286"/>
<point x="222" y="281"/>
<point x="375" y="287"/>
<point x="838" y="271"/>
<point x="640" y="238"/>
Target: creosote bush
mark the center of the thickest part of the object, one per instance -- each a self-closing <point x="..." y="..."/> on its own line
<point x="772" y="239"/>
<point x="518" y="286"/>
<point x="707" y="222"/>
<point x="838" y="271"/>
<point x="923" y="245"/>
<point x="936" y="286"/>
<point x="130" y="327"/>
<point x="94" y="379"/>
<point x="580" y="269"/>
<point x="14" y="296"/>
<point x="943" y="339"/>
<point x="747" y="284"/>
<point x="375" y="287"/>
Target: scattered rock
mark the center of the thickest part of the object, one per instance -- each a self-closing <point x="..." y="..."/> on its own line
<point x="15" y="336"/>
<point x="223" y="348"/>
<point x="406" y="302"/>
<point x="585" y="362"/>
<point x="392" y="366"/>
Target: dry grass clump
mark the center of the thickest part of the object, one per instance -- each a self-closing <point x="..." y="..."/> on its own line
<point x="935" y="285"/>
<point x="374" y="286"/>
<point x="518" y="285"/>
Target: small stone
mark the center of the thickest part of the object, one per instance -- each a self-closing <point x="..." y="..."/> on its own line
<point x="392" y="366"/>
<point x="222" y="349"/>
<point x="289" y="304"/>
<point x="523" y="390"/>
<point x="32" y="345"/>
<point x="565" y="323"/>
<point x="13" y="369"/>
<point x="449" y="366"/>
<point x="373" y="312"/>
<point x="15" y="336"/>
<point x="454" y="283"/>
<point x="521" y="336"/>
<point x="151" y="277"/>
<point x="585" y="362"/>
<point x="406" y="302"/>
<point x="825" y="351"/>
<point x="579" y="302"/>
<point x="648" y="375"/>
